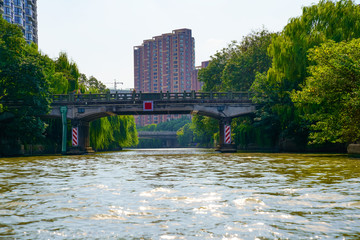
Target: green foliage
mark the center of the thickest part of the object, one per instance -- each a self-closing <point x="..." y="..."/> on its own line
<point x="249" y="59"/>
<point x="232" y="69"/>
<point x="151" y="143"/>
<point x="68" y="70"/>
<point x="250" y="133"/>
<point x="185" y="135"/>
<point x="205" y="130"/>
<point x="149" y="128"/>
<point x="211" y="76"/>
<point x="112" y="133"/>
<point x="28" y="76"/>
<point x="326" y="20"/>
<point x="330" y="97"/>
<point x="22" y="77"/>
<point x="62" y="74"/>
<point x="336" y="21"/>
<point x="91" y="85"/>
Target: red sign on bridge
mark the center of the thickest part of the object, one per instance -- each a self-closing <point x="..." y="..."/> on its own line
<point x="148" y="106"/>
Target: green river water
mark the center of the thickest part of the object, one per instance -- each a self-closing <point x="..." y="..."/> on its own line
<point x="180" y="194"/>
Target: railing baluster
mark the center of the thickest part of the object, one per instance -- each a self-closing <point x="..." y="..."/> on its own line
<point x="193" y="95"/>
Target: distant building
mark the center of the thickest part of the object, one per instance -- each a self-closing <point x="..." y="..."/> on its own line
<point x="24" y="14"/>
<point x="197" y="85"/>
<point x="165" y="63"/>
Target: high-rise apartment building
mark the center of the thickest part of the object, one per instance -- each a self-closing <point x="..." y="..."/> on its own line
<point x="164" y="63"/>
<point x="24" y="14"/>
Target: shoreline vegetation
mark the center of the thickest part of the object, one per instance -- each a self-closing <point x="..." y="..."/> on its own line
<point x="306" y="80"/>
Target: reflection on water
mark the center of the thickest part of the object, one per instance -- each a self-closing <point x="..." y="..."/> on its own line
<point x="180" y="194"/>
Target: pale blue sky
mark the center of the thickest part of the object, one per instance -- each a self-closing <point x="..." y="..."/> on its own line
<point x="100" y="35"/>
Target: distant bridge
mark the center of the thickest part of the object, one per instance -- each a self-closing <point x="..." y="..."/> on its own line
<point x="158" y="134"/>
<point x="170" y="137"/>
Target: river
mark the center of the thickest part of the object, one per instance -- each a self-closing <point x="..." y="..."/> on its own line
<point x="180" y="194"/>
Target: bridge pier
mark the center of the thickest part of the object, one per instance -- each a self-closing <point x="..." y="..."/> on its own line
<point x="226" y="144"/>
<point x="82" y="143"/>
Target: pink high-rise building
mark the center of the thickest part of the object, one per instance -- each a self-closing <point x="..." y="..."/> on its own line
<point x="165" y="63"/>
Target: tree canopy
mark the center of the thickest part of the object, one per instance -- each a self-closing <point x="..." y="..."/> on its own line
<point x="330" y="96"/>
<point x="232" y="69"/>
<point x="327" y="20"/>
<point x="22" y="78"/>
<point x="28" y="78"/>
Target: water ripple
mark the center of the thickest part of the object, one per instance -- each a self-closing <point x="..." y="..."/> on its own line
<point x="180" y="194"/>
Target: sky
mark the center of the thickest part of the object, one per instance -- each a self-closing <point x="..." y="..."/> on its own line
<point x="100" y="35"/>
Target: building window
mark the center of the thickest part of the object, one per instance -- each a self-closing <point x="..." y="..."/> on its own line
<point x="29" y="37"/>
<point x="7" y="11"/>
<point x="28" y="11"/>
<point x="18" y="11"/>
<point x="18" y="20"/>
<point x="28" y="28"/>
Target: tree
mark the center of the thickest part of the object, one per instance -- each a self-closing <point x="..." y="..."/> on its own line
<point x="318" y="23"/>
<point x="330" y="97"/>
<point x="67" y="70"/>
<point x="249" y="59"/>
<point x="112" y="133"/>
<point x="233" y="69"/>
<point x="211" y="76"/>
<point x="204" y="130"/>
<point x="185" y="135"/>
<point x="22" y="78"/>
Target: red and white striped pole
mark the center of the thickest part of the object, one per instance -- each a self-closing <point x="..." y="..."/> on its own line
<point x="227" y="139"/>
<point x="75" y="136"/>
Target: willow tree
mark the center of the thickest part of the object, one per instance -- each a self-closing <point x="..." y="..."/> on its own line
<point x="318" y="23"/>
<point x="66" y="76"/>
<point x="112" y="133"/>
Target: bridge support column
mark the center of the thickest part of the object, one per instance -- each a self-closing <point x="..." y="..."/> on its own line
<point x="226" y="144"/>
<point x="83" y="137"/>
<point x="63" y="111"/>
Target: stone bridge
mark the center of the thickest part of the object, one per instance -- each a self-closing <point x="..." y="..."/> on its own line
<point x="170" y="137"/>
<point x="157" y="134"/>
<point x="84" y="108"/>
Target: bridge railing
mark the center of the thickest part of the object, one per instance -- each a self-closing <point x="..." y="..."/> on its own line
<point x="114" y="97"/>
